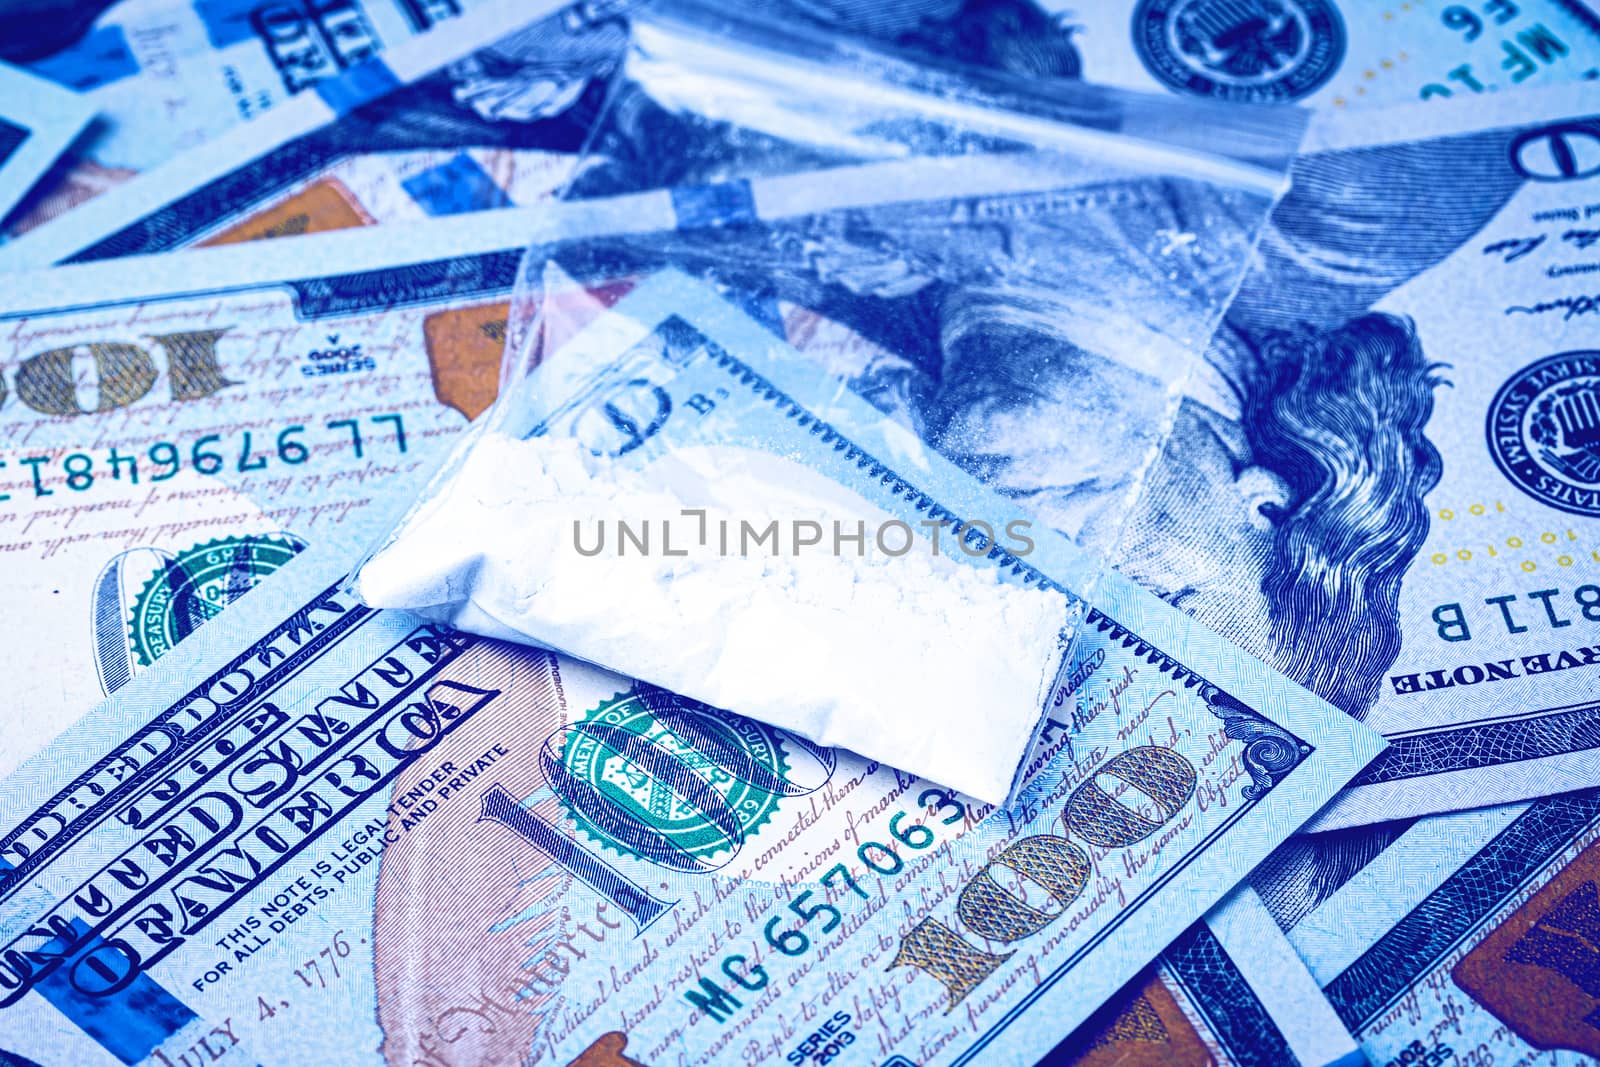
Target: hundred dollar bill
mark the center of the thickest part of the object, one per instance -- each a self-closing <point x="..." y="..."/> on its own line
<point x="329" y="834"/>
<point x="1468" y="938"/>
<point x="167" y="76"/>
<point x="1324" y="53"/>
<point x="37" y="123"/>
<point x="176" y="428"/>
<point x="1397" y="501"/>
<point x="172" y="436"/>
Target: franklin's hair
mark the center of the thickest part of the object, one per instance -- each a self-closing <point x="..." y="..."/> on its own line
<point x="1017" y="36"/>
<point x="1339" y="416"/>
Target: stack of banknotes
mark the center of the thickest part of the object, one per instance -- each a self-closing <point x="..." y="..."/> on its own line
<point x="1298" y="361"/>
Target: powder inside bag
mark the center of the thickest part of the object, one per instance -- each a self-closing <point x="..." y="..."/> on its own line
<point x="920" y="661"/>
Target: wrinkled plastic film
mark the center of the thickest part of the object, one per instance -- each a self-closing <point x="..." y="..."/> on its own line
<point x="1111" y="252"/>
<point x="707" y="93"/>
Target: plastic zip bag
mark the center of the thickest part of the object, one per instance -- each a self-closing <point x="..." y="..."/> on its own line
<point x="1086" y="233"/>
<point x="1030" y="315"/>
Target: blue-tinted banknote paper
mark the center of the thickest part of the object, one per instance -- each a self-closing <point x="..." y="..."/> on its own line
<point x="167" y="77"/>
<point x="1469" y="937"/>
<point x="328" y="834"/>
<point x="477" y="117"/>
<point x="1340" y="54"/>
<point x="1398" y="502"/>
<point x="38" y="120"/>
<point x="476" y="129"/>
<point x="173" y="436"/>
<point x="500" y="107"/>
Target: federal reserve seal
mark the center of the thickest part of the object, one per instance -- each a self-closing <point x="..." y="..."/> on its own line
<point x="1253" y="50"/>
<point x="670" y="780"/>
<point x="1544" y="431"/>
<point x="197" y="584"/>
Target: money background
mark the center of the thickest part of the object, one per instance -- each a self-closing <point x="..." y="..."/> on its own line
<point x="1490" y="22"/>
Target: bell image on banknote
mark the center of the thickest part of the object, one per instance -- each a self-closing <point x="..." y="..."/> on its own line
<point x="650" y="533"/>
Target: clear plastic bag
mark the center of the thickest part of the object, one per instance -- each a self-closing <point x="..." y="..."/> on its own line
<point x="703" y="94"/>
<point x="972" y="247"/>
<point x="1023" y="322"/>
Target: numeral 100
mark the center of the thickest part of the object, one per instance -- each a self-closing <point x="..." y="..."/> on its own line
<point x="1058" y="865"/>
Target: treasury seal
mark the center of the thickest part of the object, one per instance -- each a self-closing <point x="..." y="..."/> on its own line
<point x="197" y="584"/>
<point x="1254" y="50"/>
<point x="1544" y="431"/>
<point x="663" y="778"/>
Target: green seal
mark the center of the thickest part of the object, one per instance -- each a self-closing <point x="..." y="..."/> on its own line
<point x="197" y="584"/>
<point x="654" y="775"/>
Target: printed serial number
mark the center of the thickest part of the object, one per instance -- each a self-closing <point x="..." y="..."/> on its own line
<point x="1522" y="51"/>
<point x="880" y="857"/>
<point x="210" y="454"/>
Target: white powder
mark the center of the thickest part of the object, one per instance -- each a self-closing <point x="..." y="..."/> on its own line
<point x="919" y="661"/>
